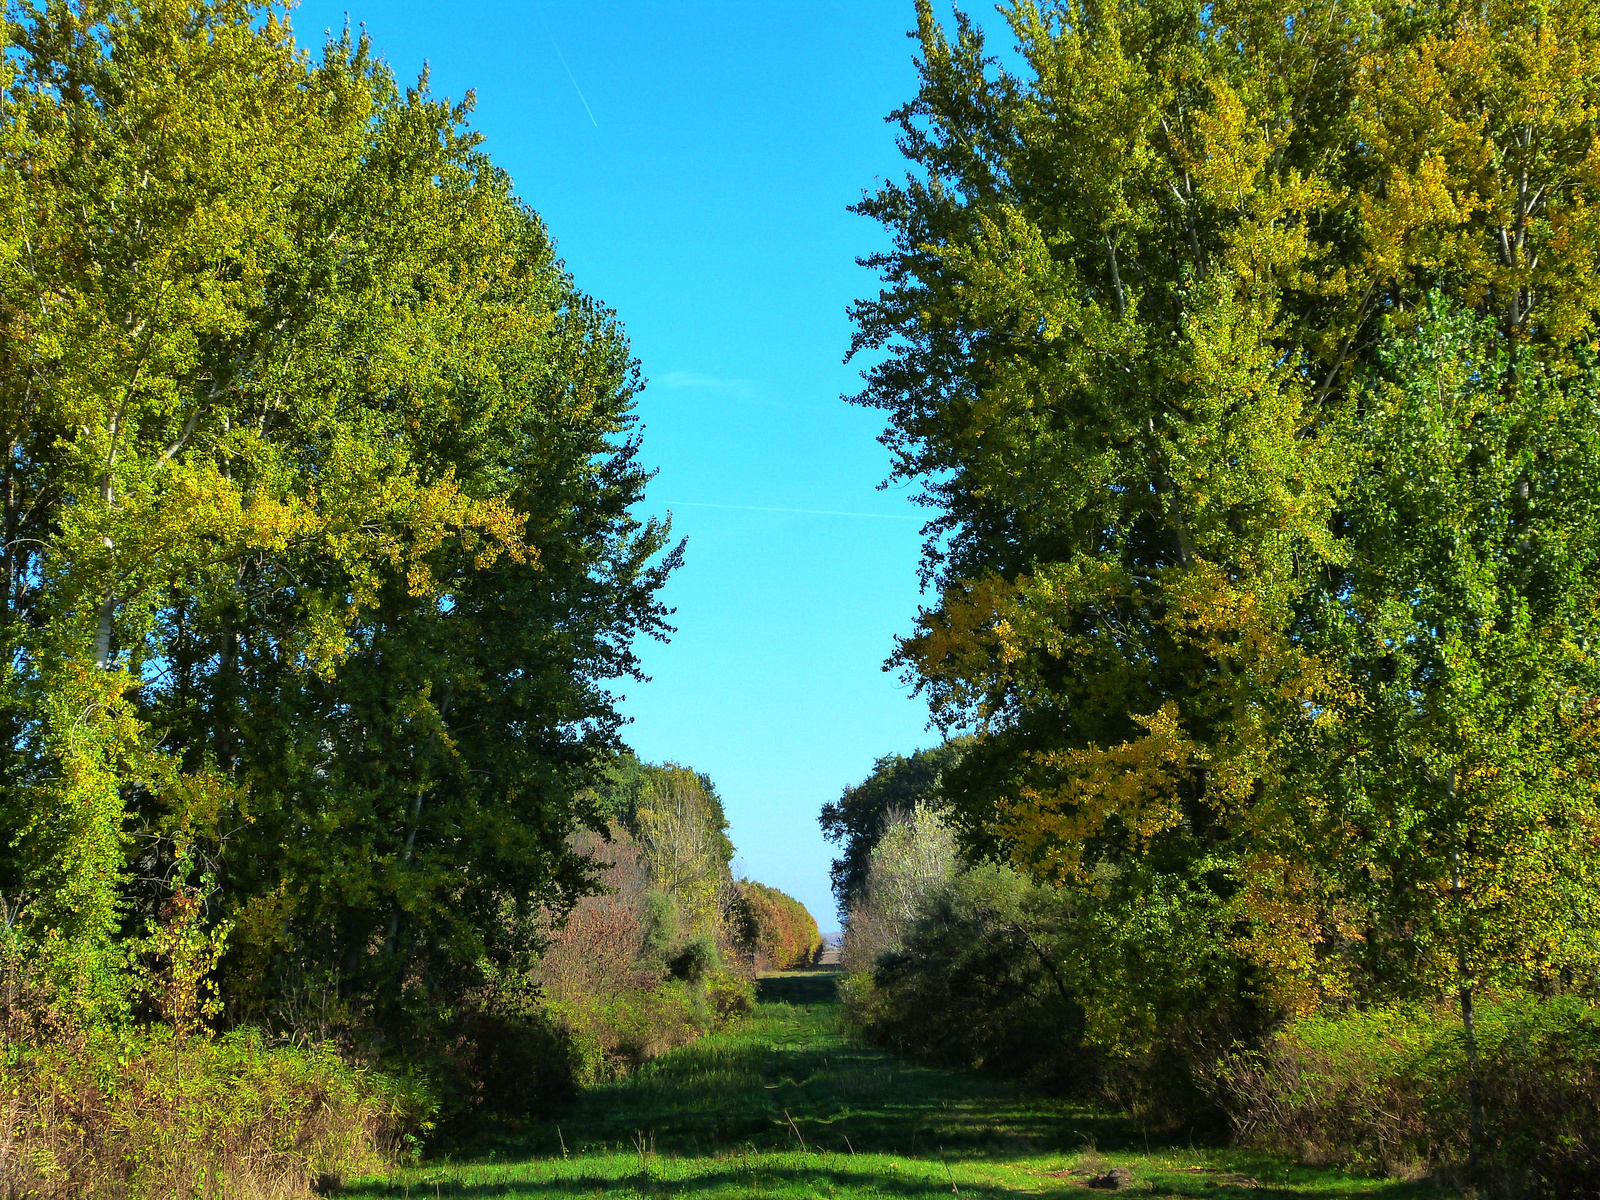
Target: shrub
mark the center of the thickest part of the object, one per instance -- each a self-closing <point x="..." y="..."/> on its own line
<point x="1386" y="1090"/>
<point x="985" y="969"/>
<point x="625" y="976"/>
<point x="974" y="984"/>
<point x="662" y="926"/>
<point x="504" y="1059"/>
<point x="154" y="1114"/>
<point x="730" y="996"/>
<point x="615" y="1033"/>
<point x="696" y="960"/>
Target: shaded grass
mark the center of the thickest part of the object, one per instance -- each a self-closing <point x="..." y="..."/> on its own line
<point x="785" y="1105"/>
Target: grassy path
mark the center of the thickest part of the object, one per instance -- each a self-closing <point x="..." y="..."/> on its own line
<point x="782" y="1105"/>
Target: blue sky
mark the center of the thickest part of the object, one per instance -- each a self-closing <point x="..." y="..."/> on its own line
<point x="694" y="162"/>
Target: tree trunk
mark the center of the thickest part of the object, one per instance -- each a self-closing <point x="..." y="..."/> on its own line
<point x="102" y="634"/>
<point x="1466" y="993"/>
<point x="1469" y="1033"/>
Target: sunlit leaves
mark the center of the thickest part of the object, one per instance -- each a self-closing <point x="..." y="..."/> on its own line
<point x="1132" y="303"/>
<point x="316" y="502"/>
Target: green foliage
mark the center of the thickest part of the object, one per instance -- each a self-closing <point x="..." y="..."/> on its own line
<point x="774" y="928"/>
<point x="623" y="976"/>
<point x="676" y="817"/>
<point x="1458" y="780"/>
<point x="1084" y="371"/>
<point x="613" y="1034"/>
<point x="1262" y="484"/>
<point x="859" y="817"/>
<point x="108" y="1114"/>
<point x="1385" y="1089"/>
<point x="320" y="568"/>
<point x="994" y="971"/>
<point x="317" y="524"/>
<point x="696" y="961"/>
<point x="730" y="995"/>
<point x="663" y="925"/>
<point x="978" y="984"/>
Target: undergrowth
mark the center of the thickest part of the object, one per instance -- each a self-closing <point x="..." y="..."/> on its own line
<point x="144" y="1114"/>
<point x="786" y="1105"/>
<point x="1387" y="1090"/>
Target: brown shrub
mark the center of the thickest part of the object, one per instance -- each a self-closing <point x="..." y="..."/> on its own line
<point x="597" y="949"/>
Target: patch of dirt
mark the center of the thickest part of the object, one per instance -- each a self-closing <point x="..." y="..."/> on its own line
<point x="1099" y="1177"/>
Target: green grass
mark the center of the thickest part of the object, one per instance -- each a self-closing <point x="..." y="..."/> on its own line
<point x="783" y="1105"/>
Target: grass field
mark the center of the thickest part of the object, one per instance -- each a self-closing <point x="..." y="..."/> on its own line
<point x="783" y="1105"/>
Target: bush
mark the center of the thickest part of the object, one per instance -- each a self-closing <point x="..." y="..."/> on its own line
<point x="973" y="986"/>
<point x="1386" y="1090"/>
<point x="503" y="1061"/>
<point x="984" y="969"/>
<point x="153" y="1114"/>
<point x="616" y="1033"/>
<point x="696" y="961"/>
<point x="730" y="996"/>
<point x="625" y="976"/>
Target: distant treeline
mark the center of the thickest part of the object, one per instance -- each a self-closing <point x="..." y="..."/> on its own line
<point x="1246" y="355"/>
<point x="776" y="927"/>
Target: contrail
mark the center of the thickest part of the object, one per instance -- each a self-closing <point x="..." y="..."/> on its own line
<point x="574" y="79"/>
<point x="804" y="512"/>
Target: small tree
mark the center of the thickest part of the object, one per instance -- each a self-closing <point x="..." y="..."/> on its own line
<point x="174" y="960"/>
<point x="1462" y="805"/>
<point x="915" y="858"/>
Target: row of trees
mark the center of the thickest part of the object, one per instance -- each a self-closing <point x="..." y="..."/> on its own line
<point x="318" y="556"/>
<point x="1245" y="355"/>
<point x="777" y="930"/>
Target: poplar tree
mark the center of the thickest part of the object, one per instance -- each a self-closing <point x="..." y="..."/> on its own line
<point x="1461" y="800"/>
<point x="1131" y="288"/>
<point x="318" y="546"/>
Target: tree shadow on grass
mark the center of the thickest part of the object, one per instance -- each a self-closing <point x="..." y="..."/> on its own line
<point x="790" y="1079"/>
<point x="730" y="1175"/>
<point x="790" y="1076"/>
<point x="800" y="987"/>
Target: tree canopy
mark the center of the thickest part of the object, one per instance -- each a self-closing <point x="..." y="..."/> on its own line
<point x="1141" y="335"/>
<point x="863" y="813"/>
<point x="319" y="559"/>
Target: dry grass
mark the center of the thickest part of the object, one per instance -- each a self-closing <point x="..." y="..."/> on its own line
<point x="150" y="1114"/>
<point x="1386" y="1090"/>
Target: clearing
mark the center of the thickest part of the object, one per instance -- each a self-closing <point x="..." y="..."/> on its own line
<point x="783" y="1105"/>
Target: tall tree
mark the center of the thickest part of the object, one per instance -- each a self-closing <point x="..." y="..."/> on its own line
<point x="317" y="537"/>
<point x="681" y="828"/>
<point x="862" y="814"/>
<point x="1461" y="807"/>
<point x="1129" y="290"/>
